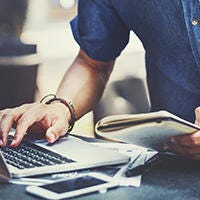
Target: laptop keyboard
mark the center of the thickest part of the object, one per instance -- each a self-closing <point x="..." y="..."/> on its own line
<point x="29" y="155"/>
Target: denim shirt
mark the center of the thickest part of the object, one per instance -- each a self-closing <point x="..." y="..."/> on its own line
<point x="170" y="33"/>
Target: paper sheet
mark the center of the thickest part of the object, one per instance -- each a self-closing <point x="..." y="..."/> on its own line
<point x="133" y="151"/>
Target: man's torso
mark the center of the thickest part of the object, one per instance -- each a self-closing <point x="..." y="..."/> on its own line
<point x="171" y="39"/>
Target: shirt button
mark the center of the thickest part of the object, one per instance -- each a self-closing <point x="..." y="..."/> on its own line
<point x="194" y="21"/>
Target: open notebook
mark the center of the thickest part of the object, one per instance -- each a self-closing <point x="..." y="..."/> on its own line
<point x="149" y="130"/>
<point x="67" y="154"/>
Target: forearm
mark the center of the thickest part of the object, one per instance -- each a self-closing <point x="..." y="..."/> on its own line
<point x="84" y="83"/>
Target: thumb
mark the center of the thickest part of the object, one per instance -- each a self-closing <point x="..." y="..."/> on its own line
<point x="55" y="131"/>
<point x="197" y="116"/>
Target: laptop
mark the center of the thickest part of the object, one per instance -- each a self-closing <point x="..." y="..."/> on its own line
<point x="67" y="154"/>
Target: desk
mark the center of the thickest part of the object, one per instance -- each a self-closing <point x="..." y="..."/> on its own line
<point x="172" y="179"/>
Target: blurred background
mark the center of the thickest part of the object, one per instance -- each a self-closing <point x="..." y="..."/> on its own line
<point x="47" y="27"/>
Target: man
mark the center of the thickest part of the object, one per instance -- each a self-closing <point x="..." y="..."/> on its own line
<point x="169" y="31"/>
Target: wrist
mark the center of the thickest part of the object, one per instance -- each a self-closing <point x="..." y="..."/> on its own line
<point x="61" y="108"/>
<point x="51" y="98"/>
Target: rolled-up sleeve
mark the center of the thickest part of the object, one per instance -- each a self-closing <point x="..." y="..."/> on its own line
<point x="98" y="30"/>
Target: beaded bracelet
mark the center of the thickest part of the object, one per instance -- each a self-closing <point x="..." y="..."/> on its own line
<point x="69" y="105"/>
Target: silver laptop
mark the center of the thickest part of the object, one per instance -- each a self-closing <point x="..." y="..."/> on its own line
<point x="67" y="154"/>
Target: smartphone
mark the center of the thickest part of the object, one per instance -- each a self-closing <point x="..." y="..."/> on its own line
<point x="71" y="187"/>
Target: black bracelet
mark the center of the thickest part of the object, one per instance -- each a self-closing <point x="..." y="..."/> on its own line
<point x="69" y="104"/>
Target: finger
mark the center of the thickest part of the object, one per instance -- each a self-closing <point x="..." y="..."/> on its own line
<point x="173" y="148"/>
<point x="197" y="123"/>
<point x="2" y="138"/>
<point x="7" y="118"/>
<point x="183" y="150"/>
<point x="190" y="140"/>
<point x="6" y="123"/>
<point x="24" y="122"/>
<point x="5" y="126"/>
<point x="190" y="154"/>
<point x="59" y="128"/>
<point x="197" y="116"/>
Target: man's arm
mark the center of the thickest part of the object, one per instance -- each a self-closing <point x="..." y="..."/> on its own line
<point x="83" y="84"/>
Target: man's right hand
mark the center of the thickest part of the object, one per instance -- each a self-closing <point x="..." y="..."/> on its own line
<point x="83" y="82"/>
<point x="38" y="118"/>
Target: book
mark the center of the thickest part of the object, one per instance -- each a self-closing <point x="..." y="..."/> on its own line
<point x="150" y="130"/>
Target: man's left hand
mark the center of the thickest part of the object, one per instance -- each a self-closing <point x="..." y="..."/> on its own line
<point x="187" y="145"/>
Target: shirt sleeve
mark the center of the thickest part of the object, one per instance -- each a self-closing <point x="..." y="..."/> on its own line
<point x="99" y="31"/>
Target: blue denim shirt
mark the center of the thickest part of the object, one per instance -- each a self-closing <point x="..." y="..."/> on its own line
<point x="170" y="33"/>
